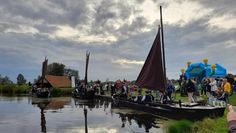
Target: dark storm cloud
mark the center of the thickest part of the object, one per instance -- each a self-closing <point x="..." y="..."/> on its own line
<point x="50" y="12"/>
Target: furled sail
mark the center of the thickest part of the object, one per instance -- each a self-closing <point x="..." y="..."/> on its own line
<point x="86" y="68"/>
<point x="44" y="71"/>
<point x="152" y="73"/>
<point x="44" y="67"/>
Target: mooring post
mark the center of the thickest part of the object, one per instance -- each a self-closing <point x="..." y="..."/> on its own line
<point x="85" y="115"/>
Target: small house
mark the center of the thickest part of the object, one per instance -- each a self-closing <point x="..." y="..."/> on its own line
<point x="54" y="81"/>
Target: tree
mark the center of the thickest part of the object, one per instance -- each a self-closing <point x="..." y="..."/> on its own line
<point x="72" y="72"/>
<point x="21" y="79"/>
<point x="36" y="80"/>
<point x="56" y="69"/>
<point x="5" y="80"/>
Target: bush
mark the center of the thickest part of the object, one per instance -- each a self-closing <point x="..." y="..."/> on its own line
<point x="205" y="126"/>
<point x="56" y="92"/>
<point x="12" y="89"/>
<point x="182" y="126"/>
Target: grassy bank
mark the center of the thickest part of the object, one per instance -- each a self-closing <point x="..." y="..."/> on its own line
<point x="14" y="89"/>
<point x="218" y="125"/>
<point x="208" y="125"/>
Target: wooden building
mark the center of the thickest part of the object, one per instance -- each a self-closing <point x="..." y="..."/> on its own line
<point x="55" y="81"/>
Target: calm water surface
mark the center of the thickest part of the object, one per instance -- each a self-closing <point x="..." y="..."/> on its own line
<point x="66" y="115"/>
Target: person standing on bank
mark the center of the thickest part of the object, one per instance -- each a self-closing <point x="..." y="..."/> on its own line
<point x="214" y="87"/>
<point x="190" y="90"/>
<point x="227" y="90"/>
<point x="170" y="89"/>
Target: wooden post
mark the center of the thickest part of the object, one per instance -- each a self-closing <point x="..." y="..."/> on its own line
<point x="85" y="116"/>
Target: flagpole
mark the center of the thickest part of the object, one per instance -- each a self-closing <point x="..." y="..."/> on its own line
<point x="163" y="46"/>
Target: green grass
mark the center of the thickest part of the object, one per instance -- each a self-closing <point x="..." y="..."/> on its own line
<point x="232" y="100"/>
<point x="182" y="126"/>
<point x="208" y="125"/>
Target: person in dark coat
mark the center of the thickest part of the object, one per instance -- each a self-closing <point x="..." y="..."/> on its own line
<point x="147" y="97"/>
<point x="139" y="97"/>
<point x="170" y="88"/>
<point x="190" y="89"/>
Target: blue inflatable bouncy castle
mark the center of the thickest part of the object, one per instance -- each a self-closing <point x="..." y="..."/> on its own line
<point x="200" y="70"/>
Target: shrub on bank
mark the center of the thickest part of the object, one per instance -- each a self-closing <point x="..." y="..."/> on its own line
<point x="56" y="92"/>
<point x="12" y="89"/>
<point x="182" y="126"/>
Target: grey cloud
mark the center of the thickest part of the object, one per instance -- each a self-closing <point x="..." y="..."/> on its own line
<point x="183" y="43"/>
<point x="220" y="7"/>
<point x="5" y="26"/>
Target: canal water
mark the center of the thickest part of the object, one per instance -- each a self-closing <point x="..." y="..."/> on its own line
<point x="67" y="115"/>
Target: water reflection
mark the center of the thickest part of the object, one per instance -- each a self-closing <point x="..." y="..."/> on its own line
<point x="143" y="120"/>
<point x="42" y="104"/>
<point x="66" y="115"/>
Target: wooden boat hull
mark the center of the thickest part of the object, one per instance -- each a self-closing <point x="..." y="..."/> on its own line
<point x="44" y="94"/>
<point x="173" y="112"/>
<point x="89" y="95"/>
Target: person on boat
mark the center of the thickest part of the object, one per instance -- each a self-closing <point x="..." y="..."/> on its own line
<point x="113" y="91"/>
<point x="208" y="87"/>
<point x="139" y="97"/>
<point x="204" y="86"/>
<point x="147" y="97"/>
<point x="190" y="90"/>
<point x="34" y="89"/>
<point x="170" y="88"/>
<point x="213" y="85"/>
<point x="164" y="98"/>
<point x="183" y="90"/>
<point x="231" y="120"/>
<point x="124" y="90"/>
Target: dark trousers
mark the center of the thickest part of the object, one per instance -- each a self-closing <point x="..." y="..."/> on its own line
<point x="169" y="95"/>
<point x="203" y="91"/>
<point x="213" y="93"/>
<point x="226" y="98"/>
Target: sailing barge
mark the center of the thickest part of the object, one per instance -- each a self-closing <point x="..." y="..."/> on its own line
<point x="153" y="76"/>
<point x="40" y="88"/>
<point x="83" y="91"/>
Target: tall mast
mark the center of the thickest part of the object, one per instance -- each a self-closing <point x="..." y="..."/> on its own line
<point x="163" y="46"/>
<point x="86" y="68"/>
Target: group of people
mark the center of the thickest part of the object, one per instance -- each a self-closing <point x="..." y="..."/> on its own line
<point x="219" y="88"/>
<point x="126" y="90"/>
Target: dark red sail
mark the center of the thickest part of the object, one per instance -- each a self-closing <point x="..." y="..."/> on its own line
<point x="86" y="68"/>
<point x="152" y="73"/>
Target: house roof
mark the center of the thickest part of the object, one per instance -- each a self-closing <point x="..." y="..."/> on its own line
<point x="58" y="81"/>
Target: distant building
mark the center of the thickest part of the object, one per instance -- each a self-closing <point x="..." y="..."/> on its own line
<point x="54" y="81"/>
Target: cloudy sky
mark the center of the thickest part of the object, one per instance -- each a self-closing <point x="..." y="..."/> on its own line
<point x="118" y="33"/>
